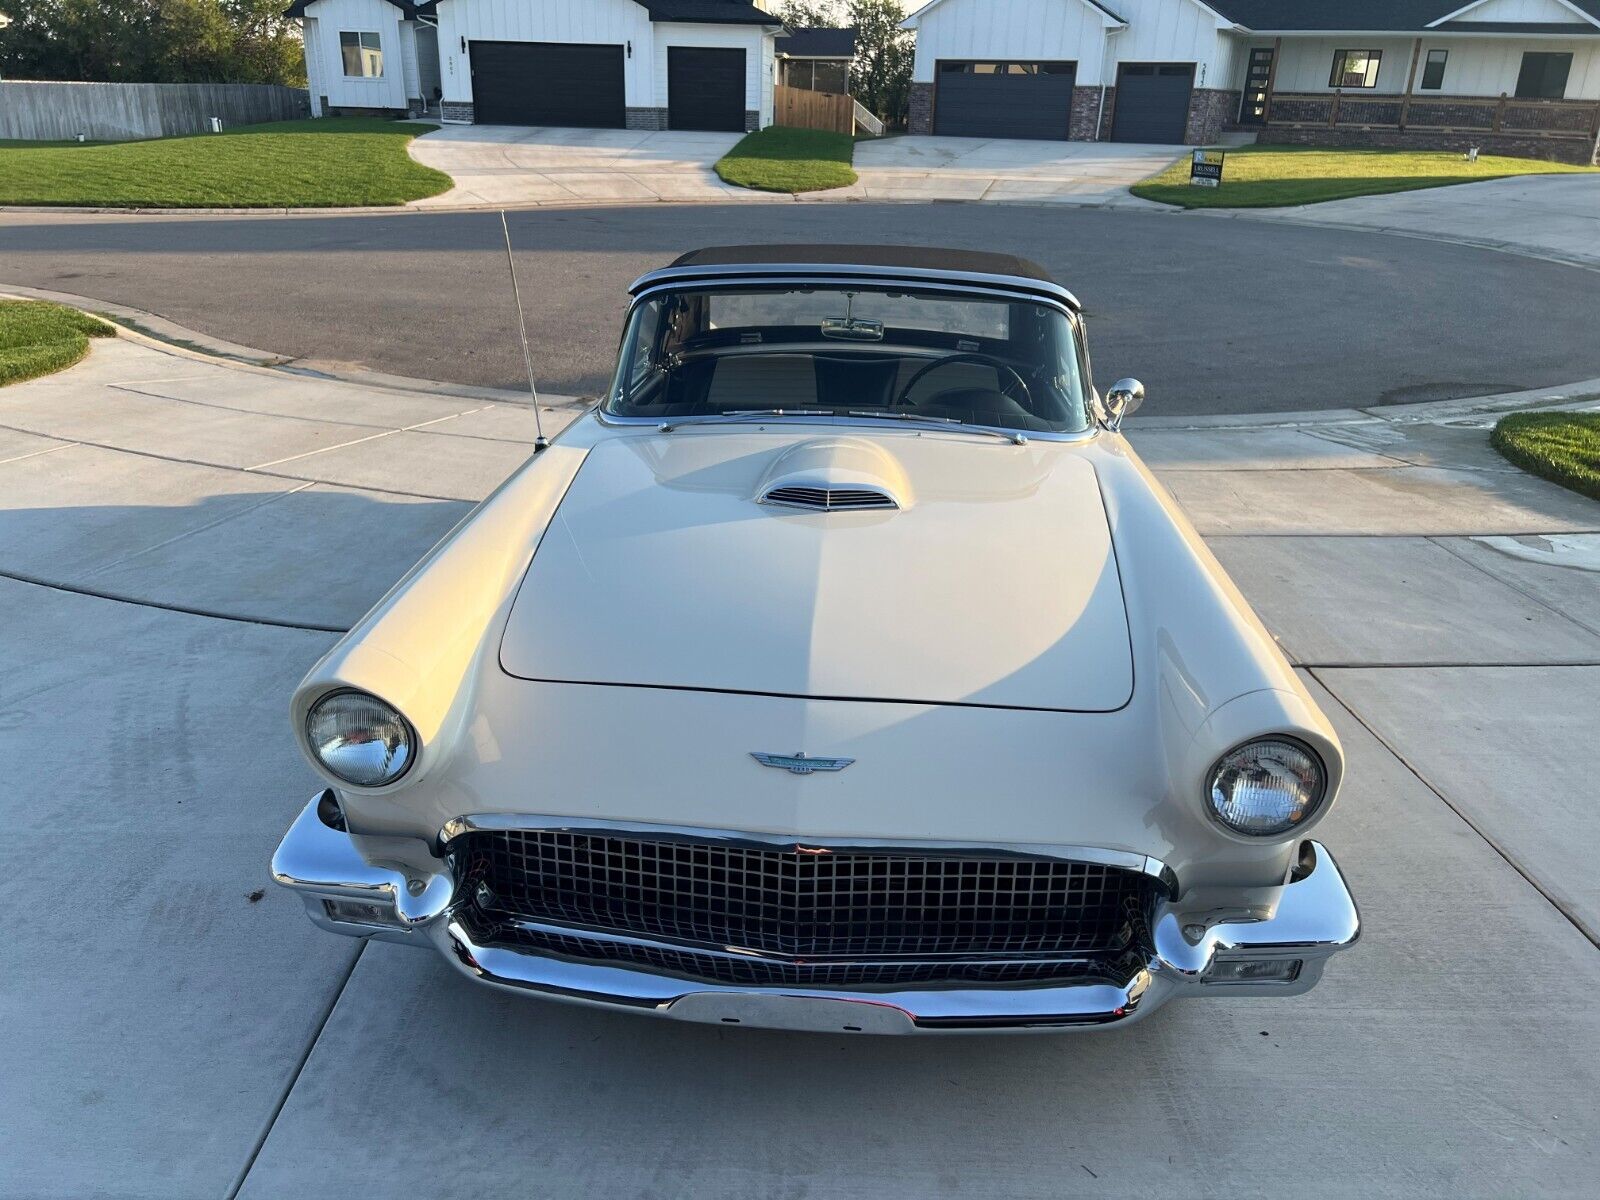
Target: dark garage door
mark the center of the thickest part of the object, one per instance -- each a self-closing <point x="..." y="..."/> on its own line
<point x="705" y="88"/>
<point x="1004" y="100"/>
<point x="547" y="83"/>
<point x="1152" y="102"/>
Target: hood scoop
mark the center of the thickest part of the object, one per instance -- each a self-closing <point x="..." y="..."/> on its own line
<point x="835" y="475"/>
<point x="828" y="499"/>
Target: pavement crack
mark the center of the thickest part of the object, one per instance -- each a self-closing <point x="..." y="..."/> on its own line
<point x="1590" y="934"/>
<point x="187" y="610"/>
<point x="294" y="1076"/>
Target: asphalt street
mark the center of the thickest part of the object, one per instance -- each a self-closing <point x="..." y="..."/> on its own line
<point x="1215" y="315"/>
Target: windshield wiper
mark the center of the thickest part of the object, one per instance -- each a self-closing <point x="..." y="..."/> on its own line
<point x="734" y="415"/>
<point x="1017" y="438"/>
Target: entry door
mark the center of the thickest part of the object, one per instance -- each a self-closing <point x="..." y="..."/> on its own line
<point x="705" y="88"/>
<point x="1253" y="109"/>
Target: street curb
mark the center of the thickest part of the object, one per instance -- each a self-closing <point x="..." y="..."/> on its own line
<point x="147" y="328"/>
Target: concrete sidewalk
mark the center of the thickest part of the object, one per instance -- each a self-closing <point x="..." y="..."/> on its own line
<point x="177" y="539"/>
<point x="1549" y="216"/>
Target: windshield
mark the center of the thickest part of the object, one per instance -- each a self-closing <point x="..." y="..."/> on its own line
<point x="852" y="352"/>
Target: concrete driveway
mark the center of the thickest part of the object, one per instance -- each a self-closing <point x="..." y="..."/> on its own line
<point x="178" y="540"/>
<point x="516" y="165"/>
<point x="1555" y="216"/>
<point x="994" y="169"/>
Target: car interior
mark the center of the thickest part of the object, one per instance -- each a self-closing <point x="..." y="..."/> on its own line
<point x="993" y="362"/>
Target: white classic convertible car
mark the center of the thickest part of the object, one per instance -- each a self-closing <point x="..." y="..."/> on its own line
<point x="844" y="670"/>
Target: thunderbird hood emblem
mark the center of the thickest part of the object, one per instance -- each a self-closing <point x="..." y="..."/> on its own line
<point x="799" y="764"/>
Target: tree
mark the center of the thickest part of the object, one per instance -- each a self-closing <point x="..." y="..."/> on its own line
<point x="152" y="41"/>
<point x="881" y="76"/>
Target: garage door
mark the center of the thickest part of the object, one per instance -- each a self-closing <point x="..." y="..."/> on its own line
<point x="547" y="83"/>
<point x="705" y="88"/>
<point x="1003" y="99"/>
<point x="1152" y="102"/>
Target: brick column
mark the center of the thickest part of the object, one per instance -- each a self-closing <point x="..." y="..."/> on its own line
<point x="920" y="119"/>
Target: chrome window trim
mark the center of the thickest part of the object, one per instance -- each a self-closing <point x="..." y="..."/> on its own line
<point x="956" y="283"/>
<point x="1126" y="860"/>
<point x="836" y="421"/>
<point x="745" y="273"/>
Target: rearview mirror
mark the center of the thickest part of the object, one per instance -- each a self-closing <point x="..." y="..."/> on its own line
<point x="1123" y="398"/>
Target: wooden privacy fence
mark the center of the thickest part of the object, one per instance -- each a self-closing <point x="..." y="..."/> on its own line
<point x="31" y="111"/>
<point x="802" y="108"/>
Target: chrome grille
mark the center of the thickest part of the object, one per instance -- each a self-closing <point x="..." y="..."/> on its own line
<point x="737" y="970"/>
<point x="900" y="913"/>
<point x="829" y="499"/>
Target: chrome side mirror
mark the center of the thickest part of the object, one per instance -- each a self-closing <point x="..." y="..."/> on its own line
<point x="1124" y="397"/>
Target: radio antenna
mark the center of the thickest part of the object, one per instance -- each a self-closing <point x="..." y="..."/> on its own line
<point x="539" y="440"/>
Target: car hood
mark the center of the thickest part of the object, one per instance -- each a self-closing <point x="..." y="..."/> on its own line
<point x="992" y="581"/>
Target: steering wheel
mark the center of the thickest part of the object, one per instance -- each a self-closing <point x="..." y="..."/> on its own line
<point x="984" y="359"/>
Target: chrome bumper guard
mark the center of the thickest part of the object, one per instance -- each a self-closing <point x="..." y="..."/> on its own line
<point x="1276" y="946"/>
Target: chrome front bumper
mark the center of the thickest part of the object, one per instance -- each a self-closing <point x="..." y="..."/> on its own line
<point x="1303" y="922"/>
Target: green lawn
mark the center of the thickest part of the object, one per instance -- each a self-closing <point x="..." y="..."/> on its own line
<point x="37" y="338"/>
<point x="1560" y="446"/>
<point x="779" y="159"/>
<point x="1274" y="176"/>
<point x="335" y="161"/>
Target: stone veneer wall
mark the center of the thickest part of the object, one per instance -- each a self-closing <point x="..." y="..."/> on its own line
<point x="1210" y="112"/>
<point x="1085" y="118"/>
<point x="752" y="120"/>
<point x="646" y="118"/>
<point x="455" y="110"/>
<point x="920" y="119"/>
<point x="1110" y="116"/>
<point x="1581" y="151"/>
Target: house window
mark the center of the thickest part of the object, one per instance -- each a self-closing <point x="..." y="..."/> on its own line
<point x="1355" y="68"/>
<point x="1007" y="68"/>
<point x="1433" y="71"/>
<point x="1543" y="76"/>
<point x="362" y="54"/>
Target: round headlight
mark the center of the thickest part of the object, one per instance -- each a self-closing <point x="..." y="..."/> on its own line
<point x="359" y="738"/>
<point x="1266" y="787"/>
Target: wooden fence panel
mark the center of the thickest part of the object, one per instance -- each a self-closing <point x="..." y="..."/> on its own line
<point x="802" y="108"/>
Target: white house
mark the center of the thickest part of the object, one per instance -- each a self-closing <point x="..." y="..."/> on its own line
<point x="635" y="64"/>
<point x="1517" y="76"/>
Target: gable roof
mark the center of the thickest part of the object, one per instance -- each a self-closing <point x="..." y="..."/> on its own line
<point x="1401" y="16"/>
<point x="1101" y="6"/>
<point x="818" y="43"/>
<point x="705" y="12"/>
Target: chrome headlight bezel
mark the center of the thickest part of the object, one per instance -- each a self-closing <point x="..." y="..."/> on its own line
<point x="395" y="717"/>
<point x="1312" y="807"/>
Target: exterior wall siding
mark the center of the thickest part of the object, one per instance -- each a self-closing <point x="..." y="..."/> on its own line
<point x="1476" y="66"/>
<point x="1173" y="31"/>
<point x="1046" y="30"/>
<point x="1519" y="10"/>
<point x="610" y="22"/>
<point x="386" y="91"/>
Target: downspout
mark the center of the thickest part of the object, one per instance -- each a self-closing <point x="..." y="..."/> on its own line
<point x="1100" y="117"/>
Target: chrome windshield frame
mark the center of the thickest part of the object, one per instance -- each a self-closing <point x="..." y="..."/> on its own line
<point x="974" y="287"/>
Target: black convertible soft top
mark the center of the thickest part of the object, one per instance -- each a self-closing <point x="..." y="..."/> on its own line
<point x="968" y="268"/>
<point x="924" y="258"/>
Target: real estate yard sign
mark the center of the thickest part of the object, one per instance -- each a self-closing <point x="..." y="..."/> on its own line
<point x="1204" y="172"/>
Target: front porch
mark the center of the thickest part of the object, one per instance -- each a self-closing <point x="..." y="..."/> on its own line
<point x="1424" y="93"/>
